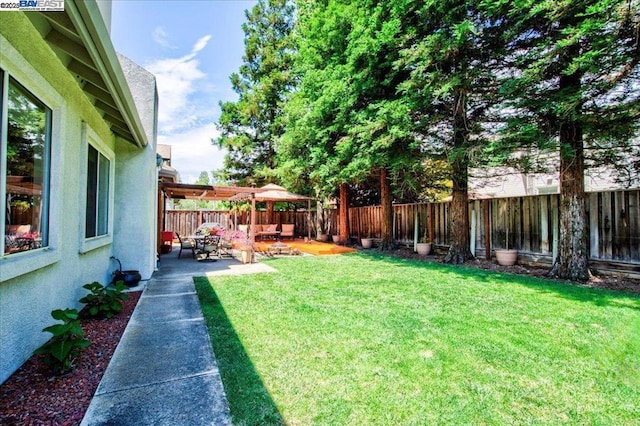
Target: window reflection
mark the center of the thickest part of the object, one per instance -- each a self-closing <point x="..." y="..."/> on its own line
<point x="27" y="171"/>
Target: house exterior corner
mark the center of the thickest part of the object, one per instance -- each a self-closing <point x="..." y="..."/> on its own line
<point x="78" y="177"/>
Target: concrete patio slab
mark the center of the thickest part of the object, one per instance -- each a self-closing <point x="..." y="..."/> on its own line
<point x="146" y="356"/>
<point x="167" y="308"/>
<point x="178" y="402"/>
<point x="170" y="286"/>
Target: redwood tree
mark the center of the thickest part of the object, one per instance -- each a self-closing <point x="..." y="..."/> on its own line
<point x="343" y="213"/>
<point x="576" y="91"/>
<point x="453" y="54"/>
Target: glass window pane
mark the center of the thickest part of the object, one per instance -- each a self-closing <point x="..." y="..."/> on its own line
<point x="27" y="175"/>
<point x="103" y="195"/>
<point x="92" y="190"/>
<point x="98" y="167"/>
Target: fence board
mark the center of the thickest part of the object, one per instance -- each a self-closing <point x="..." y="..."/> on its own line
<point x="593" y="225"/>
<point x="607" y="240"/>
<point x="622" y="225"/>
<point x="526" y="224"/>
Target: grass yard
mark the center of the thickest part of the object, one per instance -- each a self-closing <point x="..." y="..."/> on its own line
<point x="366" y="339"/>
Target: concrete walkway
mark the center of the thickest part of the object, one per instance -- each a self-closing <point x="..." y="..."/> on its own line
<point x="163" y="371"/>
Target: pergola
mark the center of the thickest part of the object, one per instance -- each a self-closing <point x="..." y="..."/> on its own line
<point x="268" y="193"/>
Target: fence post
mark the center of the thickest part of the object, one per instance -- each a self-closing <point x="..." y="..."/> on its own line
<point x="544" y="225"/>
<point x="472" y="245"/>
<point x="556" y="229"/>
<point x="416" y="223"/>
<point x="487" y="230"/>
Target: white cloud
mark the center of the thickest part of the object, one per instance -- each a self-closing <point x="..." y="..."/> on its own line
<point x="192" y="152"/>
<point x="201" y="44"/>
<point x="178" y="80"/>
<point x="161" y="37"/>
<point x="184" y="105"/>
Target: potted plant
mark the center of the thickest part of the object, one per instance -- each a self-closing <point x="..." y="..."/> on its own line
<point x="367" y="241"/>
<point x="246" y="250"/>
<point x="246" y="254"/>
<point x="424" y="246"/>
<point x="324" y="233"/>
<point x="336" y="238"/>
<point x="506" y="256"/>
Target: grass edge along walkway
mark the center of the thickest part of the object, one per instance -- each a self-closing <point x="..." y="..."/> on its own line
<point x="367" y="339"/>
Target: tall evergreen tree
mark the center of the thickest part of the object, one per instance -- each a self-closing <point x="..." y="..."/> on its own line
<point x="453" y="52"/>
<point x="347" y="121"/>
<point x="250" y="126"/>
<point x="578" y="92"/>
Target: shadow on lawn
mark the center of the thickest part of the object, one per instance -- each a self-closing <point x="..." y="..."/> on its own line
<point x="249" y="400"/>
<point x="565" y="289"/>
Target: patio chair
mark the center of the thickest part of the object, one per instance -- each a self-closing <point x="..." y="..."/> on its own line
<point x="210" y="247"/>
<point x="267" y="231"/>
<point x="188" y="245"/>
<point x="287" y="230"/>
<point x="225" y="248"/>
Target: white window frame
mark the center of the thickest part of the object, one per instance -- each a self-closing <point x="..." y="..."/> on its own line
<point x="89" y="137"/>
<point x="14" y="65"/>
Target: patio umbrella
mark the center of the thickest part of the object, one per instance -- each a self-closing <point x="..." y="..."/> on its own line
<point x="273" y="192"/>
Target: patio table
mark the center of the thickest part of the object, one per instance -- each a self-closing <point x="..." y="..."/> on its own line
<point x="279" y="248"/>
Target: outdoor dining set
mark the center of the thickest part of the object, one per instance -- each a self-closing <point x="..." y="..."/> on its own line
<point x="211" y="242"/>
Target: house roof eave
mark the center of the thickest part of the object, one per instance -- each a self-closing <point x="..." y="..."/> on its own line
<point x="80" y="38"/>
<point x="91" y="27"/>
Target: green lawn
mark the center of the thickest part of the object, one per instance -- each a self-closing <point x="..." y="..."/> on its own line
<point x="366" y="339"/>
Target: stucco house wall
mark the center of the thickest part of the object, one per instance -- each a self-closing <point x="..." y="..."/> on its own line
<point x="135" y="227"/>
<point x="35" y="282"/>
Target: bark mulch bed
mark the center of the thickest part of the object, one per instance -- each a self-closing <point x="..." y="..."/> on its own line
<point x="32" y="396"/>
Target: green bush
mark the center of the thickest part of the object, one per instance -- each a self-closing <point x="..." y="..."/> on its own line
<point x="103" y="302"/>
<point x="68" y="339"/>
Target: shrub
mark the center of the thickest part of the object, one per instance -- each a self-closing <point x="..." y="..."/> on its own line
<point x="103" y="302"/>
<point x="68" y="339"/>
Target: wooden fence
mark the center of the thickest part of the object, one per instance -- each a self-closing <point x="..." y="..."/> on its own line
<point x="529" y="224"/>
<point x="185" y="222"/>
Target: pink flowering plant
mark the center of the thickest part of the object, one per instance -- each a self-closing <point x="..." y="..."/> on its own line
<point x="239" y="238"/>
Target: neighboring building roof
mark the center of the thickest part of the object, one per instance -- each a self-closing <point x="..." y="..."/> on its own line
<point x="166" y="172"/>
<point x="80" y="39"/>
<point x="165" y="152"/>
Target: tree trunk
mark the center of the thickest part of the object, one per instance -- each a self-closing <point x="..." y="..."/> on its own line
<point x="572" y="261"/>
<point x="270" y="212"/>
<point x="319" y="219"/>
<point x="344" y="213"/>
<point x="459" y="251"/>
<point x="386" y="201"/>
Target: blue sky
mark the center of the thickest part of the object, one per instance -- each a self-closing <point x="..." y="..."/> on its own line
<point x="192" y="47"/>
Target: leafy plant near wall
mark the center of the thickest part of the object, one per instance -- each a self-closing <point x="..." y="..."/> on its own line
<point x="68" y="339"/>
<point x="103" y="302"/>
